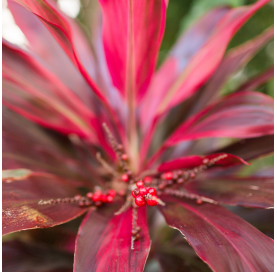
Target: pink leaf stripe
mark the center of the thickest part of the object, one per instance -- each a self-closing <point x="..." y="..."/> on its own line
<point x="194" y="161"/>
<point x="132" y="34"/>
<point x="21" y="210"/>
<point x="104" y="242"/>
<point x="255" y="192"/>
<point x="240" y="115"/>
<point x="221" y="239"/>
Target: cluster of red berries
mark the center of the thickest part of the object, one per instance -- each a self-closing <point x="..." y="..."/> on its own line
<point x="98" y="197"/>
<point x="143" y="195"/>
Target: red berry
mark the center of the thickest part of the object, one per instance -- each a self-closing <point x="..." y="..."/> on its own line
<point x="147" y="180"/>
<point x="124" y="157"/>
<point x="112" y="193"/>
<point x="135" y="192"/>
<point x="97" y="196"/>
<point x="168" y="175"/>
<point x="104" y="198"/>
<point x="152" y="191"/>
<point x="125" y="178"/>
<point x="143" y="191"/>
<point x="140" y="184"/>
<point x="147" y="188"/>
<point x="153" y="201"/>
<point x="140" y="201"/>
<point x="109" y="199"/>
<point x="199" y="201"/>
<point x="89" y="195"/>
<point x="192" y="175"/>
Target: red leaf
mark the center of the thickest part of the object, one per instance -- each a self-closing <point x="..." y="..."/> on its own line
<point x="252" y="148"/>
<point x="44" y="45"/>
<point x="184" y="49"/>
<point x="256" y="81"/>
<point x="104" y="242"/>
<point x="234" y="60"/>
<point x="21" y="210"/>
<point x="132" y="34"/>
<point x="255" y="192"/>
<point x="67" y="35"/>
<point x="195" y="161"/>
<point x="25" y="257"/>
<point x="220" y="238"/>
<point x="240" y="115"/>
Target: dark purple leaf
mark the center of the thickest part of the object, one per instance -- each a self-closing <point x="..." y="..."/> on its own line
<point x="26" y="145"/>
<point x="28" y="257"/>
<point x="21" y="197"/>
<point x="104" y="242"/>
<point x="220" y="238"/>
<point x="255" y="192"/>
<point x="252" y="148"/>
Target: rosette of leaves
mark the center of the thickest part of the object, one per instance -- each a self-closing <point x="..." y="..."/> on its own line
<point x="169" y="127"/>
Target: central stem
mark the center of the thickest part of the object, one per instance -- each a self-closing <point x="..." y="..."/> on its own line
<point x="131" y="94"/>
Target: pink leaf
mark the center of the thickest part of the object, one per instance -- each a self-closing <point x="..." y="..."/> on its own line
<point x="67" y="35"/>
<point x="206" y="61"/>
<point x="220" y="238"/>
<point x="232" y="62"/>
<point x="132" y="34"/>
<point x="21" y="210"/>
<point x="195" y="161"/>
<point x="44" y="45"/>
<point x="104" y="242"/>
<point x="240" y="115"/>
<point x="189" y="43"/>
<point x="252" y="192"/>
<point x="36" y="93"/>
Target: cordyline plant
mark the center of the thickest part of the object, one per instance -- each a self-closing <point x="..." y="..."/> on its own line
<point x="95" y="129"/>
